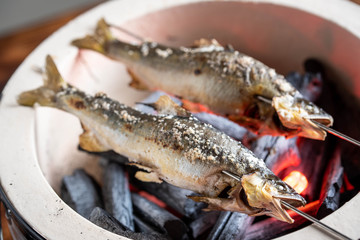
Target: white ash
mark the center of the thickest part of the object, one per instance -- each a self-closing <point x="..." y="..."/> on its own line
<point x="144" y="49"/>
<point x="106" y="105"/>
<point x="153" y="44"/>
<point x="163" y="53"/>
<point x="127" y="117"/>
<point x="100" y="95"/>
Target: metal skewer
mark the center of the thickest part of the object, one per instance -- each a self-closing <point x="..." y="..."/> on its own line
<point x="322" y="126"/>
<point x="127" y="32"/>
<point x="315" y="221"/>
<point x="323" y="226"/>
<point x="336" y="133"/>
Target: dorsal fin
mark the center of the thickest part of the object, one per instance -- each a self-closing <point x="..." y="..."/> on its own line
<point x="164" y="105"/>
<point x="204" y="42"/>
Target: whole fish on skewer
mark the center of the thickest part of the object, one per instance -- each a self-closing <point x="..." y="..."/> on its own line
<point x="173" y="147"/>
<point x="227" y="82"/>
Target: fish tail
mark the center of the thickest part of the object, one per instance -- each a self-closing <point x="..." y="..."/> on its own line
<point x="45" y="95"/>
<point x="96" y="41"/>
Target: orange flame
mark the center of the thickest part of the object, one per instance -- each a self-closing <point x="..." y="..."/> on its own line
<point x="297" y="180"/>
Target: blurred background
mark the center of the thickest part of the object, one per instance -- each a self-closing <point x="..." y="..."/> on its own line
<point x="24" y="24"/>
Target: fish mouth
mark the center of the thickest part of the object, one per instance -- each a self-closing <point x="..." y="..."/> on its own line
<point x="311" y="129"/>
<point x="279" y="212"/>
<point x="299" y="114"/>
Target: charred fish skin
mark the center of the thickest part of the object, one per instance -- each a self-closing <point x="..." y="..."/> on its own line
<point x="226" y="81"/>
<point x="178" y="149"/>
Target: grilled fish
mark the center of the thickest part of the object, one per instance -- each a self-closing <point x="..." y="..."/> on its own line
<point x="173" y="147"/>
<point x="227" y="82"/>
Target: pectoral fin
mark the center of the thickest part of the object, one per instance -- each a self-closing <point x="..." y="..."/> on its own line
<point x="222" y="204"/>
<point x="204" y="42"/>
<point x="164" y="105"/>
<point x="89" y="142"/>
<point x="148" y="177"/>
<point x="136" y="81"/>
<point x="133" y="163"/>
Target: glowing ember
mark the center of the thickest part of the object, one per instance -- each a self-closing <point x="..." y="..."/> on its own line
<point x="296" y="180"/>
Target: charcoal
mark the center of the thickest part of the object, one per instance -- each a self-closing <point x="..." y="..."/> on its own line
<point x="104" y="220"/>
<point x="272" y="228"/>
<point x="223" y="124"/>
<point x="116" y="194"/>
<point x="332" y="183"/>
<point x="219" y="225"/>
<point x="204" y="222"/>
<point x="344" y="108"/>
<point x="159" y="217"/>
<point x="262" y="146"/>
<point x="277" y="152"/>
<point x="315" y="154"/>
<point x="142" y="226"/>
<point x="309" y="84"/>
<point x="81" y="192"/>
<point x="173" y="196"/>
<point x="230" y="225"/>
<point x="347" y="115"/>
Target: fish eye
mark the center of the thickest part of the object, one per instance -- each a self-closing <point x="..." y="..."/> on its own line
<point x="280" y="186"/>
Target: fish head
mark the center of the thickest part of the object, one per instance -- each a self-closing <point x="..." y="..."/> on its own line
<point x="296" y="113"/>
<point x="265" y="192"/>
<point x="256" y="194"/>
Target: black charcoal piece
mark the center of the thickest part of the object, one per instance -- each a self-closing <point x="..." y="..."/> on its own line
<point x="142" y="226"/>
<point x="173" y="196"/>
<point x="275" y="150"/>
<point x="230" y="225"/>
<point x="116" y="194"/>
<point x="313" y="65"/>
<point x="219" y="225"/>
<point x="204" y="222"/>
<point x="103" y="219"/>
<point x="309" y="84"/>
<point x="159" y="217"/>
<point x="344" y="108"/>
<point x="263" y="145"/>
<point x="332" y="183"/>
<point x="271" y="228"/>
<point x="81" y="192"/>
<point x="223" y="124"/>
<point x="316" y="154"/>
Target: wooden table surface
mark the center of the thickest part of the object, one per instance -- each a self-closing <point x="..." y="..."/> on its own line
<point x="16" y="46"/>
